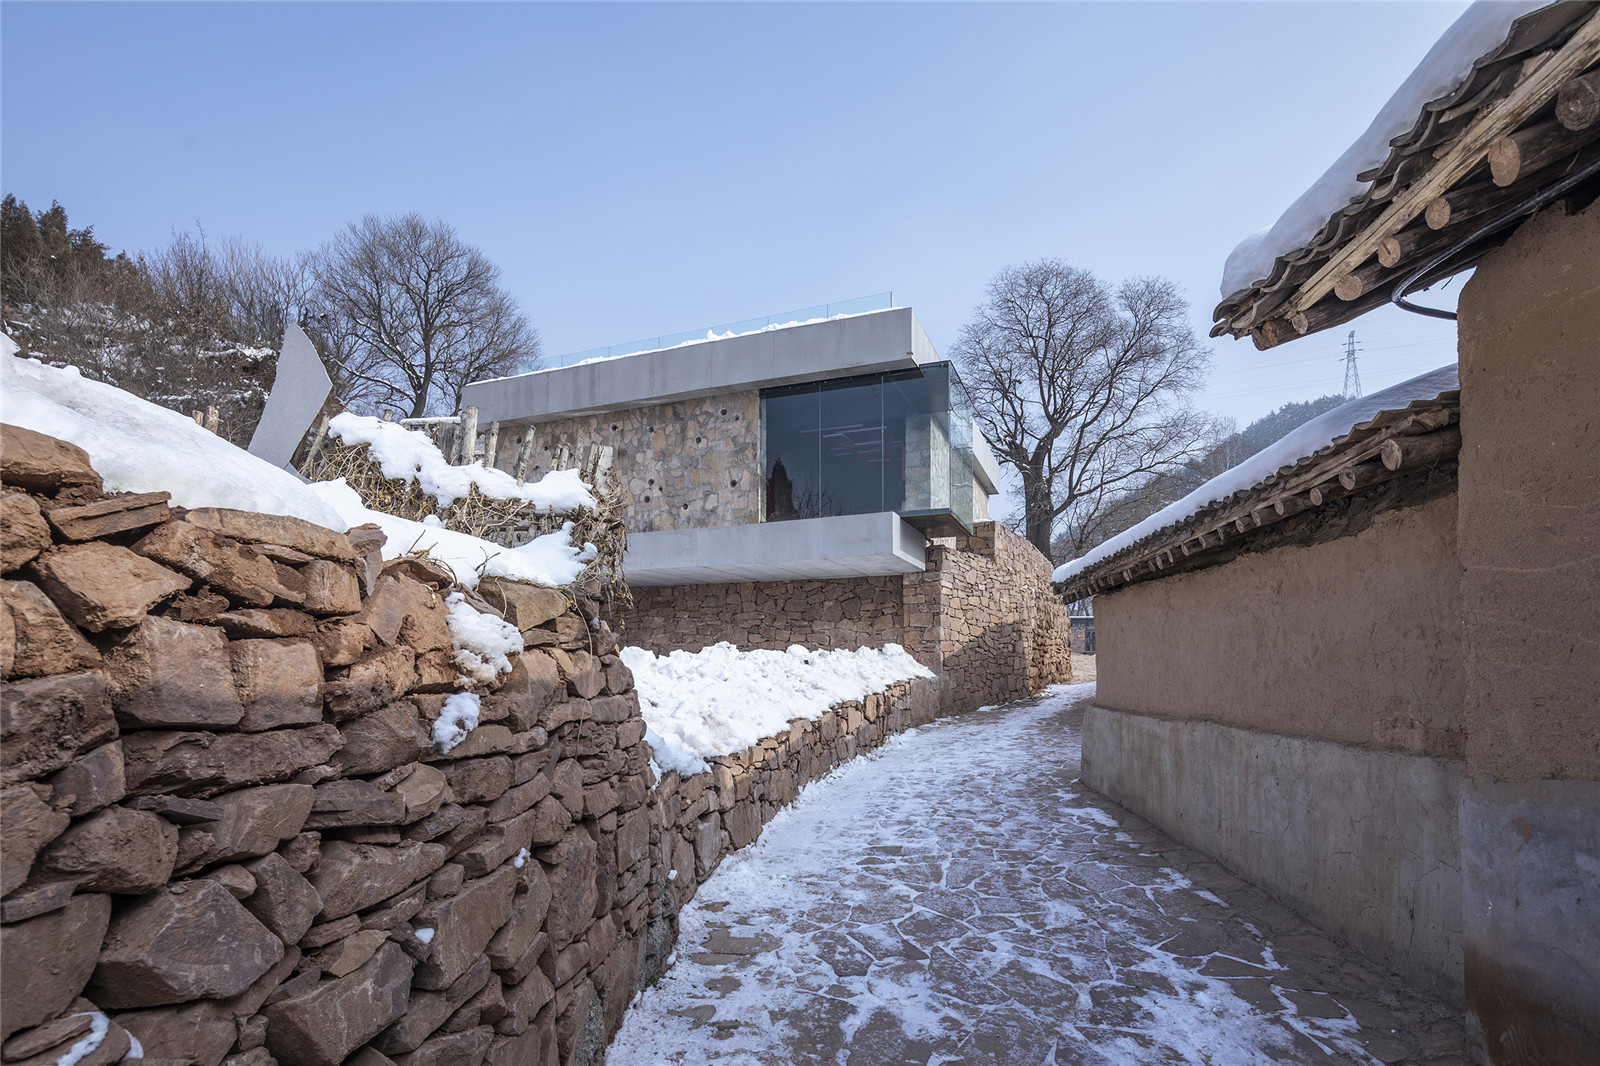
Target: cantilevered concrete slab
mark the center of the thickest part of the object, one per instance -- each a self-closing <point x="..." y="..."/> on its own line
<point x="860" y="545"/>
<point x="869" y="343"/>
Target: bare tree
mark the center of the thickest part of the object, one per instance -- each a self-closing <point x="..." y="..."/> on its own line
<point x="1083" y="390"/>
<point x="412" y="314"/>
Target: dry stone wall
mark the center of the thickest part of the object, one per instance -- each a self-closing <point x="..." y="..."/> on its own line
<point x="229" y="834"/>
<point x="228" y="828"/>
<point x="982" y="616"/>
<point x="682" y="465"/>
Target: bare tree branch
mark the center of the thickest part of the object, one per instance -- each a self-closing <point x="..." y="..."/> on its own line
<point x="1082" y="389"/>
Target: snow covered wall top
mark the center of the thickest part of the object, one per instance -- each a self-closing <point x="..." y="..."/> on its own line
<point x="1301" y="443"/>
<point x="1481" y="29"/>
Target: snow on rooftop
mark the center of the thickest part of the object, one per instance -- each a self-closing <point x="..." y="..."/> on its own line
<point x="407" y="455"/>
<point x="1482" y="28"/>
<point x="698" y="705"/>
<point x="1296" y="445"/>
<point x="137" y="446"/>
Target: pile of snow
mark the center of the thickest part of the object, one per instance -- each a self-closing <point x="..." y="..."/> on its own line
<point x="1481" y="29"/>
<point x="1298" y="444"/>
<point x="484" y="643"/>
<point x="139" y="447"/>
<point x="548" y="560"/>
<point x="457" y="718"/>
<point x="698" y="705"/>
<point x="407" y="455"/>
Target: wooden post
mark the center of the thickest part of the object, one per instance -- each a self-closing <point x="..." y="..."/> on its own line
<point x="491" y="443"/>
<point x="524" y="454"/>
<point x="213" y="418"/>
<point x="200" y="419"/>
<point x="317" y="438"/>
<point x="1409" y="453"/>
<point x="467" y="435"/>
<point x="1578" y="102"/>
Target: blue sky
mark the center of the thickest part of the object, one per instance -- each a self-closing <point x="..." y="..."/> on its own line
<point x="638" y="169"/>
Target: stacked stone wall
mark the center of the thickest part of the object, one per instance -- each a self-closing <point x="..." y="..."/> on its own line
<point x="231" y="837"/>
<point x="227" y="826"/>
<point x="837" y="613"/>
<point x="707" y="815"/>
<point x="982" y="616"/>
<point x="684" y="465"/>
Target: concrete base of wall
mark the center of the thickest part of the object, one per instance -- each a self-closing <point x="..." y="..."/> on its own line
<point x="1531" y="899"/>
<point x="1362" y="842"/>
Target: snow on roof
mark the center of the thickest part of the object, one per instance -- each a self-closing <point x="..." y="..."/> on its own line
<point x="406" y="455"/>
<point x="137" y="446"/>
<point x="1482" y="28"/>
<point x="698" y="705"/>
<point x="1299" y="444"/>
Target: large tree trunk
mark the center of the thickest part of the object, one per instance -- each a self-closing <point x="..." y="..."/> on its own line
<point x="1037" y="518"/>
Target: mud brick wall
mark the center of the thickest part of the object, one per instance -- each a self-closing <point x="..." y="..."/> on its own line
<point x="982" y="616"/>
<point x="705" y="816"/>
<point x="682" y="465"/>
<point x="228" y="834"/>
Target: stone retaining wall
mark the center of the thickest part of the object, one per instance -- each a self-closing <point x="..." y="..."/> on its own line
<point x="982" y="616"/>
<point x="228" y="828"/>
<point x="230" y="836"/>
<point x="707" y="815"/>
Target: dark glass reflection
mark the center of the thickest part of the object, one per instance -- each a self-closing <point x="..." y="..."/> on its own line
<point x="880" y="442"/>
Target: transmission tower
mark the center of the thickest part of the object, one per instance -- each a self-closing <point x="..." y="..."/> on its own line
<point x="1352" y="376"/>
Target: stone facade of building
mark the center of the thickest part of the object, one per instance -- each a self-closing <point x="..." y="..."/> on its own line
<point x="685" y="465"/>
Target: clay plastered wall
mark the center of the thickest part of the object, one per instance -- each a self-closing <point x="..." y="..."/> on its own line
<point x="849" y="613"/>
<point x="1355" y="640"/>
<point x="228" y="829"/>
<point x="1530" y="501"/>
<point x="982" y="616"/>
<point x="682" y="465"/>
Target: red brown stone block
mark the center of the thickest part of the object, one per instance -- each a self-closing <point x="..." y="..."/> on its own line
<point x="254" y="528"/>
<point x="40" y="463"/>
<point x="103" y="586"/>
<point x="240" y="573"/>
<point x="322" y="1026"/>
<point x="166" y="674"/>
<point x="191" y="941"/>
<point x="116" y="850"/>
<point x="46" y="961"/>
<point x="27" y="824"/>
<point x="46" y="721"/>
<point x="204" y="764"/>
<point x="24" y="533"/>
<point x="37" y="640"/>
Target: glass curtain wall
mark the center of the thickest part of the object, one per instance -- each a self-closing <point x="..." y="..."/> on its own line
<point x="900" y="441"/>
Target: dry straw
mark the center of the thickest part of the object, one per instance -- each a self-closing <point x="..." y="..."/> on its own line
<point x="504" y="522"/>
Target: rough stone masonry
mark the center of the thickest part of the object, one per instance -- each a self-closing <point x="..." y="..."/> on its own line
<point x="229" y="837"/>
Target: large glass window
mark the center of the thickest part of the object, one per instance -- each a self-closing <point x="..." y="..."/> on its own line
<point x="899" y="442"/>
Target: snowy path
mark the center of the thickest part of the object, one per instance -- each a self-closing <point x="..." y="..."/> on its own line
<point x="956" y="897"/>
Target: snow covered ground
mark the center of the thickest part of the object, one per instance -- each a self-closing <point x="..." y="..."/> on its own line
<point x="957" y="897"/>
<point x="720" y="700"/>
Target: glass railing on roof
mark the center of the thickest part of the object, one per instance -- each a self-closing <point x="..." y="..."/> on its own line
<point x="820" y="312"/>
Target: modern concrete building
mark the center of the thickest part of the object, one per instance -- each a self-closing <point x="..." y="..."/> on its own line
<point x="817" y="450"/>
<point x="783" y="485"/>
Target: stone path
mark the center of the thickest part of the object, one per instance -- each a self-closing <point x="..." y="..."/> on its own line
<point x="957" y="897"/>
